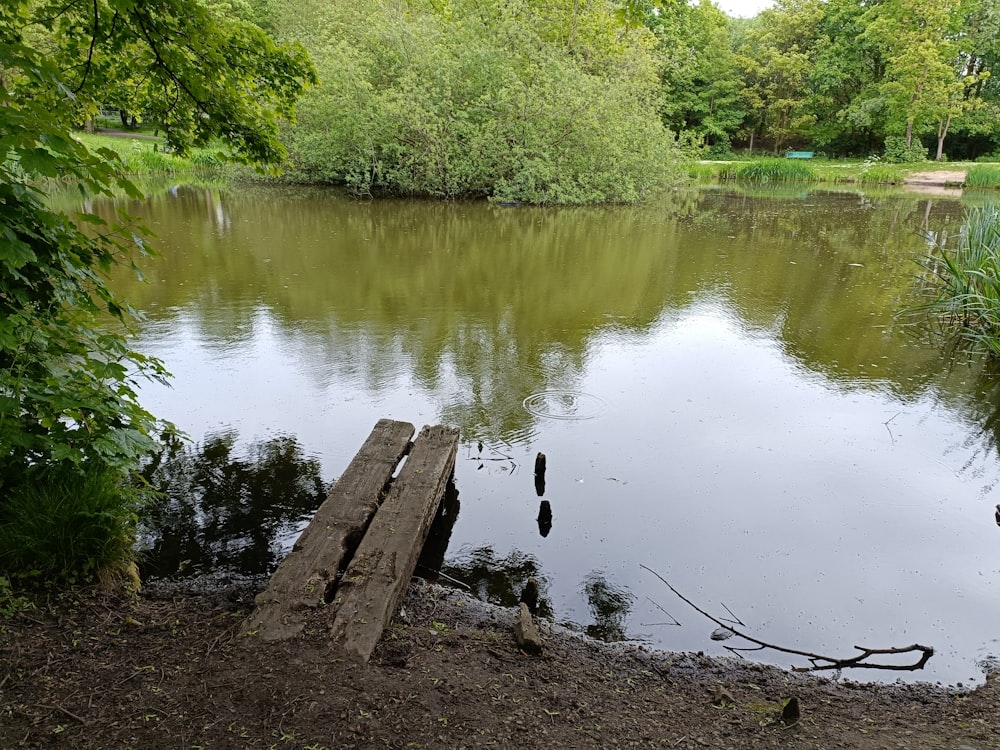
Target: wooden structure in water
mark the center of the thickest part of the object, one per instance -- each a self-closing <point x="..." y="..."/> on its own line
<point x="358" y="553"/>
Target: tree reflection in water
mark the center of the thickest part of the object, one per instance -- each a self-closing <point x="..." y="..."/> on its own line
<point x="609" y="605"/>
<point x="499" y="580"/>
<point x="223" y="512"/>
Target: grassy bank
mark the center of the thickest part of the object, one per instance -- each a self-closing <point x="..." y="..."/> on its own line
<point x="146" y="155"/>
<point x="838" y="171"/>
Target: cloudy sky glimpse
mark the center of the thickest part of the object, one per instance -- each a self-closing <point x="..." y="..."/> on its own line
<point x="744" y="8"/>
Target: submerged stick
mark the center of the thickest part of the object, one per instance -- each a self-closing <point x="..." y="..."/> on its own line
<point x="818" y="661"/>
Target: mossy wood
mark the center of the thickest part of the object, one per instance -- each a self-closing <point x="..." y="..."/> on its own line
<point x="373" y="585"/>
<point x="304" y="577"/>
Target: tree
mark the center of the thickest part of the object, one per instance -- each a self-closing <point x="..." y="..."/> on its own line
<point x="926" y="76"/>
<point x="980" y="55"/>
<point x="843" y="95"/>
<point x="513" y="101"/>
<point x="67" y="380"/>
<point x="776" y="57"/>
<point x="700" y="79"/>
<point x="198" y="72"/>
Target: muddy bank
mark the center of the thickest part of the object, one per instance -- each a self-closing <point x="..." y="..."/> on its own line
<point x="172" y="669"/>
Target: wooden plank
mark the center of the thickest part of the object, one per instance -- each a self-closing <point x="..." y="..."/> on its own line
<point x="373" y="586"/>
<point x="308" y="573"/>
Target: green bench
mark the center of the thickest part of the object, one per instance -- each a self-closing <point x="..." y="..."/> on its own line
<point x="799" y="155"/>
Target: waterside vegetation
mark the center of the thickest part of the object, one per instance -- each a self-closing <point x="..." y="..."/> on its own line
<point x="964" y="283"/>
<point x="147" y="157"/>
<point x="593" y="102"/>
<point x="872" y="171"/>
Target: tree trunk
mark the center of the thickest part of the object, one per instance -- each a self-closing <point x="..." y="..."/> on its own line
<point x="943" y="126"/>
<point x="751" y="144"/>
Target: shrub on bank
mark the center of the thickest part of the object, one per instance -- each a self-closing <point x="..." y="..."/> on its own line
<point x="472" y="101"/>
<point x="897" y="152"/>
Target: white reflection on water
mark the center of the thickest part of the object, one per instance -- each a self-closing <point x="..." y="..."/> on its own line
<point x="824" y="514"/>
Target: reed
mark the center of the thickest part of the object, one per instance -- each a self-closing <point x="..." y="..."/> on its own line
<point x="699" y="171"/>
<point x="775" y="170"/>
<point x="880" y="174"/>
<point x="145" y="156"/>
<point x="966" y="283"/>
<point x="983" y="175"/>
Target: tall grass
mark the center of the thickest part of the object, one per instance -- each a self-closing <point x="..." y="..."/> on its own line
<point x="881" y="174"/>
<point x="145" y="156"/>
<point x="775" y="170"/>
<point x="67" y="523"/>
<point x="983" y="175"/>
<point x="966" y="283"/>
<point x="698" y="171"/>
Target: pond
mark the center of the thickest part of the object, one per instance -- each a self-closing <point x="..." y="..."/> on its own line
<point x="721" y="382"/>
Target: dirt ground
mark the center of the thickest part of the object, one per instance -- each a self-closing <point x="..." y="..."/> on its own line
<point x="937" y="177"/>
<point x="172" y="669"/>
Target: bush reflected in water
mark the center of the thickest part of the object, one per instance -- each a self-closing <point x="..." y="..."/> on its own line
<point x="224" y="510"/>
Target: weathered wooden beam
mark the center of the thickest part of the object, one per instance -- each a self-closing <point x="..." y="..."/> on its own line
<point x="309" y="572"/>
<point x="373" y="585"/>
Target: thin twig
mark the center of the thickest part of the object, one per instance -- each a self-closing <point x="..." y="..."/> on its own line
<point x="60" y="709"/>
<point x="887" y="422"/>
<point x="735" y="619"/>
<point x="447" y="577"/>
<point x="675" y="620"/>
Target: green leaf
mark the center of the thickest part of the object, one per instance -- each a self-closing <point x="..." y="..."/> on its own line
<point x="40" y="163"/>
<point x="14" y="252"/>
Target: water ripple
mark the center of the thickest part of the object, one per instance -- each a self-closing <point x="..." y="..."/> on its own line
<point x="568" y="405"/>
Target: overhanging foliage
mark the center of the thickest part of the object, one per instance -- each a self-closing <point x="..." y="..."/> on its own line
<point x="68" y="377"/>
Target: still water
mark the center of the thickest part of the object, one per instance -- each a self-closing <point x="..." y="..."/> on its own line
<point x="720" y="381"/>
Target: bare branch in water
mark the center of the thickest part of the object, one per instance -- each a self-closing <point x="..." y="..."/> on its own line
<point x="818" y="661"/>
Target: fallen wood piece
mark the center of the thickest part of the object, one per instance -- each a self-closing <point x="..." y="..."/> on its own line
<point x="376" y="578"/>
<point x="526" y="631"/>
<point x="818" y="661"/>
<point x="306" y="576"/>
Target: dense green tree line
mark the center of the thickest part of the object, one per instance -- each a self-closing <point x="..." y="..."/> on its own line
<point x="552" y="100"/>
<point x="582" y="101"/>
<point x="854" y="77"/>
